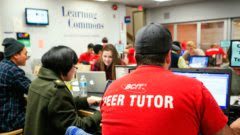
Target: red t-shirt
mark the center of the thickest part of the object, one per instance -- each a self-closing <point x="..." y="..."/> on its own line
<point x="93" y="60"/>
<point x="131" y="56"/>
<point x="214" y="51"/>
<point x="154" y="101"/>
<point x="85" y="57"/>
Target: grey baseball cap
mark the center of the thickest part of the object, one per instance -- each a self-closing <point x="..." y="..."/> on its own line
<point x="153" y="39"/>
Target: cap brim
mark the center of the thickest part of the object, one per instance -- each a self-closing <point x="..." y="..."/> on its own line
<point x="175" y="48"/>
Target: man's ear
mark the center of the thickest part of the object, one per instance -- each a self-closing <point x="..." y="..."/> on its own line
<point x="15" y="56"/>
<point x="168" y="57"/>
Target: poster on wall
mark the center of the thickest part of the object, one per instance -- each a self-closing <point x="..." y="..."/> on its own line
<point x="120" y="48"/>
<point x="24" y="38"/>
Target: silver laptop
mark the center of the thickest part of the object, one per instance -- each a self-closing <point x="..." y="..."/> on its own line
<point x="96" y="81"/>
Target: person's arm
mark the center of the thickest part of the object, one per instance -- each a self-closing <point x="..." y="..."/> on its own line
<point x="182" y="63"/>
<point x="234" y="129"/>
<point x="96" y="66"/>
<point x="185" y="54"/>
<point x="20" y="81"/>
<point x="63" y="113"/>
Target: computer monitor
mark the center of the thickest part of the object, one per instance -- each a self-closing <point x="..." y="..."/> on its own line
<point x="217" y="81"/>
<point x="198" y="61"/>
<point x="122" y="70"/>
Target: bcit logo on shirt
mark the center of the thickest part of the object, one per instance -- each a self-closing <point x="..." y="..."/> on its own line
<point x="135" y="86"/>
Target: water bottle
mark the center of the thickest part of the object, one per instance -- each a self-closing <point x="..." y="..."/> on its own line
<point x="83" y="86"/>
<point x="75" y="89"/>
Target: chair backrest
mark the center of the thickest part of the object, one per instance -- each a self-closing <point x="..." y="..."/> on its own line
<point x="82" y="67"/>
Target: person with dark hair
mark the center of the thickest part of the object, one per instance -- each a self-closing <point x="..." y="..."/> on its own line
<point x="54" y="107"/>
<point x="13" y="85"/>
<point x="177" y="61"/>
<point x="154" y="101"/>
<point x="1" y="56"/>
<point x="85" y="57"/>
<point x="178" y="44"/>
<point x="97" y="54"/>
<point x="108" y="61"/>
<point x="104" y="41"/>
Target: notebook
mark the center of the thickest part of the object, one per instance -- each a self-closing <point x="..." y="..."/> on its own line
<point x="217" y="81"/>
<point x="198" y="61"/>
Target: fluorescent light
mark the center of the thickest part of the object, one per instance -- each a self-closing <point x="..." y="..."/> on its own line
<point x="101" y="0"/>
<point x="162" y="0"/>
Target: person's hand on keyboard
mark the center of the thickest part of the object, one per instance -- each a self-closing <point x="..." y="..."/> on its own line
<point x="93" y="100"/>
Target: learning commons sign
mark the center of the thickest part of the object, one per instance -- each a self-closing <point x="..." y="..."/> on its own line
<point x="82" y="19"/>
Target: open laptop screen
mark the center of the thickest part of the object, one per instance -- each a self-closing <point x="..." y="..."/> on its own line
<point x="217" y="81"/>
<point x="96" y="80"/>
<point x="198" y="61"/>
<point x="122" y="70"/>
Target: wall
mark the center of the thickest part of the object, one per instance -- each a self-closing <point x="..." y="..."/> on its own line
<point x="217" y="9"/>
<point x="58" y="32"/>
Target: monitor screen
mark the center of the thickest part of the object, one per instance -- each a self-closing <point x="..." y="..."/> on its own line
<point x="36" y="16"/>
<point x="234" y="53"/>
<point x="198" y="61"/>
<point x="123" y="70"/>
<point x="217" y="81"/>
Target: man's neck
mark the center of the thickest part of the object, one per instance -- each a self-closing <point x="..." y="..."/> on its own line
<point x="14" y="61"/>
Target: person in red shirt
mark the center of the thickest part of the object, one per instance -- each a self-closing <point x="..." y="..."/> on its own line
<point x="97" y="54"/>
<point x="153" y="101"/>
<point x="130" y="52"/>
<point x="215" y="50"/>
<point x="84" y="58"/>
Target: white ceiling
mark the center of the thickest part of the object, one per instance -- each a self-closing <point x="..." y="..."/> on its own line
<point x="152" y="3"/>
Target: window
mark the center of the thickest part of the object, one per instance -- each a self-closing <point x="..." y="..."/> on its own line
<point x="187" y="32"/>
<point x="236" y="29"/>
<point x="211" y="32"/>
<point x="170" y="27"/>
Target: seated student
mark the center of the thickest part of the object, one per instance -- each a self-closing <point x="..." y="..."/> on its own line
<point x="51" y="108"/>
<point x="192" y="50"/>
<point x="177" y="61"/>
<point x="130" y="52"/>
<point x="13" y="85"/>
<point x="107" y="62"/>
<point x="97" y="54"/>
<point x="215" y="53"/>
<point x="84" y="58"/>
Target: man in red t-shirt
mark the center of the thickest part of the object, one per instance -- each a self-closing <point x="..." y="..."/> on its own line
<point x="153" y="101"/>
<point x="97" y="54"/>
<point x="215" y="50"/>
<point x="85" y="57"/>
